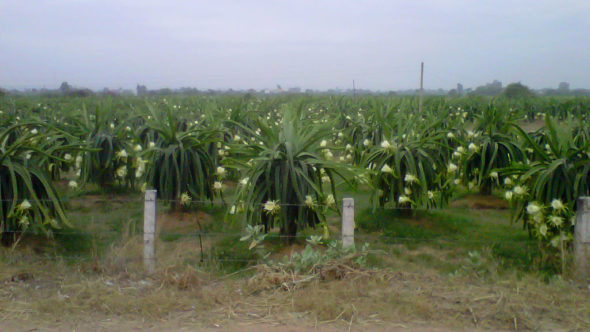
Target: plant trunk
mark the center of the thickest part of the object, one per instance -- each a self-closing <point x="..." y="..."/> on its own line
<point x="289" y="232"/>
<point x="486" y="188"/>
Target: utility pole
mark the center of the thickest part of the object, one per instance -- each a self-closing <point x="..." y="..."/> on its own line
<point x="421" y="87"/>
<point x="353" y="89"/>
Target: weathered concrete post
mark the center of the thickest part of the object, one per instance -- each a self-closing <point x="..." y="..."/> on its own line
<point x="582" y="240"/>
<point x="347" y="222"/>
<point x="149" y="231"/>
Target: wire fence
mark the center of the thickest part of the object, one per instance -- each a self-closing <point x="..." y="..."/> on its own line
<point x="213" y="253"/>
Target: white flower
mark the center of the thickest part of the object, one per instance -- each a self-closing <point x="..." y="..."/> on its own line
<point x="217" y="185"/>
<point x="330" y="200"/>
<point x="67" y="157"/>
<point x="470" y="133"/>
<point x="34" y="131"/>
<point x="452" y="168"/>
<point x="556" y="220"/>
<point x="73" y="184"/>
<point x="556" y="204"/>
<point x="137" y="148"/>
<point x="323" y="143"/>
<point x="410" y="178"/>
<point x="538" y="218"/>
<point x="403" y="199"/>
<point x="140" y="163"/>
<point x="185" y="199"/>
<point x="271" y="207"/>
<point x="151" y="145"/>
<point x="220" y="171"/>
<point x="472" y="147"/>
<point x="508" y="195"/>
<point x="519" y="190"/>
<point x="386" y="169"/>
<point x="494" y="175"/>
<point x="24" y="221"/>
<point x="457" y="181"/>
<point x="507" y="181"/>
<point x="385" y="144"/>
<point x="326" y="179"/>
<point x="122" y="154"/>
<point x="309" y="201"/>
<point x="244" y="181"/>
<point x="128" y="128"/>
<point x="329" y="154"/>
<point x="232" y="210"/>
<point x="237" y="138"/>
<point x="533" y="208"/>
<point x="430" y="194"/>
<point x="78" y="161"/>
<point x="460" y="149"/>
<point x="407" y="191"/>
<point x="543" y="230"/>
<point x="112" y="125"/>
<point x="348" y="147"/>
<point x="450" y="134"/>
<point x="366" y="142"/>
<point x="121" y="172"/>
<point x="24" y="205"/>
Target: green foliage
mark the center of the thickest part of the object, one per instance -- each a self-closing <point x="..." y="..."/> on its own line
<point x="409" y="170"/>
<point x="28" y="200"/>
<point x="493" y="147"/>
<point x="108" y="157"/>
<point x="287" y="184"/>
<point x="312" y="260"/>
<point x="517" y="90"/>
<point x="180" y="160"/>
<point x="549" y="185"/>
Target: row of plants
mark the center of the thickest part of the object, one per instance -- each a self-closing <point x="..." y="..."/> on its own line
<point x="288" y="155"/>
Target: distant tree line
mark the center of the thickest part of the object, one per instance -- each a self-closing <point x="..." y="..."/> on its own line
<point x="494" y="88"/>
<point x="516" y="90"/>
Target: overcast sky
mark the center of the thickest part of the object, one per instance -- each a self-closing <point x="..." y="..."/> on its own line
<point x="311" y="44"/>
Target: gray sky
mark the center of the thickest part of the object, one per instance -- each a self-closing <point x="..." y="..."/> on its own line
<point x="312" y="44"/>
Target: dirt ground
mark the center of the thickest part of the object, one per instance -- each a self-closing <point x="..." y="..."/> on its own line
<point x="175" y="325"/>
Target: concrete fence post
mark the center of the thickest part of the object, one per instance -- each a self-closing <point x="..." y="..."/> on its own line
<point x="347" y="222"/>
<point x="149" y="231"/>
<point x="582" y="240"/>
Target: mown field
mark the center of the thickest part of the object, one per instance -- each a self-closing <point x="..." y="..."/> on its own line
<point x="464" y="212"/>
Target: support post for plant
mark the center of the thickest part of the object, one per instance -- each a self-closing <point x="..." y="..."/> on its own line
<point x="347" y="222"/>
<point x="149" y="231"/>
<point x="582" y="240"/>
<point x="421" y="87"/>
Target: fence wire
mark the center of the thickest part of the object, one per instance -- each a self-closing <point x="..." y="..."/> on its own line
<point x="211" y="257"/>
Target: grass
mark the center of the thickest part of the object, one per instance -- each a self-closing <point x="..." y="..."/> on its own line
<point x="457" y="268"/>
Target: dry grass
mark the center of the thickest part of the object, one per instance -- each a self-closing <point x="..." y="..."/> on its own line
<point x="34" y="288"/>
<point x="109" y="290"/>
